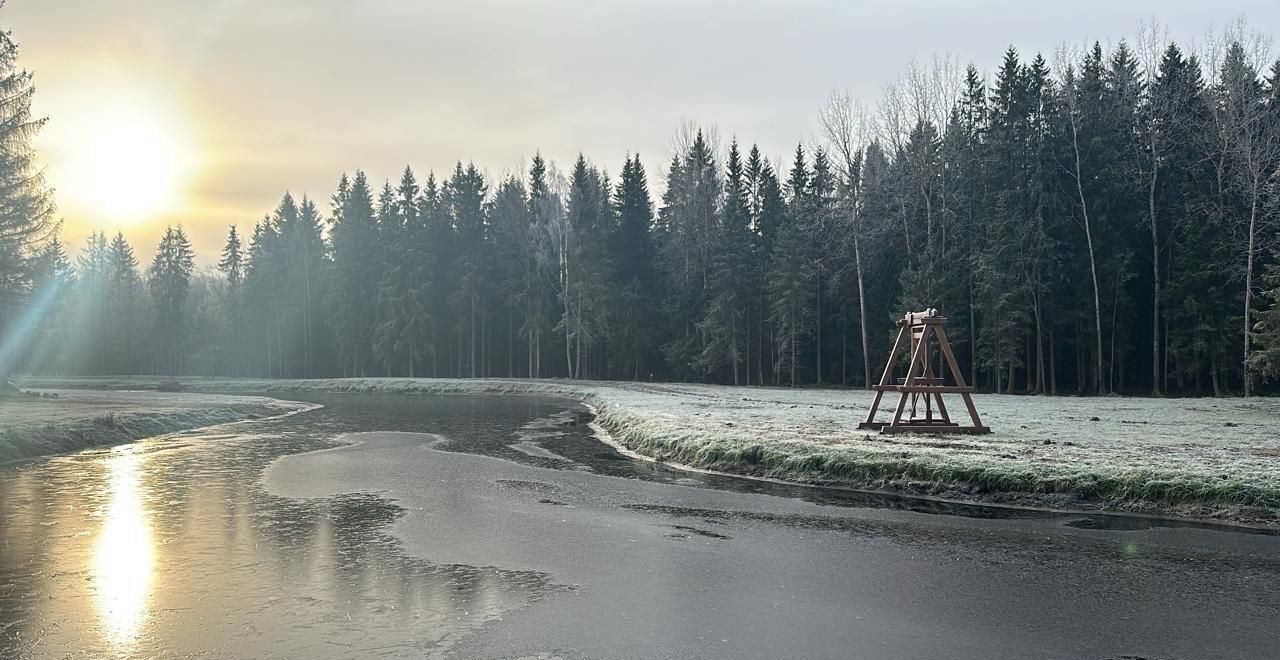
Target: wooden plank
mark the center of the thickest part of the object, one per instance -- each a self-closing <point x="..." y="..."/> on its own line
<point x="955" y="372"/>
<point x="937" y="428"/>
<point x="942" y="407"/>
<point x="946" y="389"/>
<point x="875" y="405"/>
<point x="911" y="371"/>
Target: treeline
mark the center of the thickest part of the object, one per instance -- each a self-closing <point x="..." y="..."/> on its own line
<point x="1105" y="224"/>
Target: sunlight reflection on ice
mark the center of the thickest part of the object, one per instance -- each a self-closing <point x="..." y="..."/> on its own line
<point x="122" y="556"/>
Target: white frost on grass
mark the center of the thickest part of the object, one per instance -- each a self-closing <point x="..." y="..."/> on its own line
<point x="76" y="419"/>
<point x="1113" y="450"/>
<point x="1116" y="449"/>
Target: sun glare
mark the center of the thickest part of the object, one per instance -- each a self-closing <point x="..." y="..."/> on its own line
<point x="127" y="161"/>
<point x="122" y="558"/>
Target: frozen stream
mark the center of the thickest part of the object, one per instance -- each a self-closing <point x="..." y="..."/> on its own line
<point x="497" y="527"/>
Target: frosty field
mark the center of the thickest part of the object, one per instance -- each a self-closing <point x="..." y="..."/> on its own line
<point x="77" y="419"/>
<point x="1200" y="457"/>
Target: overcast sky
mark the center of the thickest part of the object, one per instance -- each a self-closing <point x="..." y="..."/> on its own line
<point x="288" y="94"/>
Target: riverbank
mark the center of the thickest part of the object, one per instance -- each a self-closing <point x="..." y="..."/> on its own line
<point x="51" y="421"/>
<point x="1203" y="458"/>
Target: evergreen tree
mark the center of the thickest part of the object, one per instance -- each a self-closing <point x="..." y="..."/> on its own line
<point x="1108" y="226"/>
<point x="686" y="229"/>
<point x="232" y="267"/>
<point x="632" y="253"/>
<point x="356" y="270"/>
<point x="1265" y="361"/>
<point x="724" y="326"/>
<point x="512" y="244"/>
<point x="580" y="238"/>
<point x="125" y="286"/>
<point x="791" y="275"/>
<point x="26" y="207"/>
<point x="465" y="196"/>
<point x="169" y="279"/>
<point x="304" y="244"/>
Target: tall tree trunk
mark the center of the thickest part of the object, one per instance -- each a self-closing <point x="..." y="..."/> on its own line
<point x="844" y="350"/>
<point x="1156" y="382"/>
<point x="307" y="317"/>
<point x="818" y="333"/>
<point x="862" y="313"/>
<point x="1093" y="266"/>
<point x="1248" y="284"/>
<point x="1053" y="364"/>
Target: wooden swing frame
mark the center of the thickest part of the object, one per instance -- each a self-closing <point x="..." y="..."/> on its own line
<point x="916" y="330"/>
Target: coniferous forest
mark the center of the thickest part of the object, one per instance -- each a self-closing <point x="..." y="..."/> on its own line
<point x="1096" y="221"/>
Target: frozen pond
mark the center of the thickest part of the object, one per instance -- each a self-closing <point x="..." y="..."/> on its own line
<point x="497" y="527"/>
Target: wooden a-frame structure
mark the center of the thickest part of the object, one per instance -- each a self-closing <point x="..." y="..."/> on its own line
<point x="921" y="383"/>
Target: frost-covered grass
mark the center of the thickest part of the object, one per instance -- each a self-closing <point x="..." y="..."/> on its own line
<point x="76" y="419"/>
<point x="1198" y="456"/>
<point x="1127" y="453"/>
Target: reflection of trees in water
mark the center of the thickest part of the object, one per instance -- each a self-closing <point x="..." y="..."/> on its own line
<point x="237" y="569"/>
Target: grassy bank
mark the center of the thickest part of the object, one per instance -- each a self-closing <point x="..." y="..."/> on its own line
<point x="33" y="426"/>
<point x="1201" y="457"/>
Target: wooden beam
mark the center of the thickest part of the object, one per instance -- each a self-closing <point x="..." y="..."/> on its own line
<point x="955" y="372"/>
<point x="916" y="356"/>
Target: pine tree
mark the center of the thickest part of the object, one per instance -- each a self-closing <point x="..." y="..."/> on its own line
<point x="580" y="239"/>
<point x="768" y="213"/>
<point x="819" y="223"/>
<point x="541" y="269"/>
<point x="1252" y="145"/>
<point x="1087" y="158"/>
<point x="1265" y="361"/>
<point x="510" y="231"/>
<point x="26" y="206"/>
<point x="93" y="271"/>
<point x="686" y="230"/>
<point x="632" y="253"/>
<point x="440" y="240"/>
<point x="169" y="279"/>
<point x="356" y="273"/>
<point x="724" y="322"/>
<point x="232" y="267"/>
<point x="465" y="196"/>
<point x="791" y="275"/>
<point x="124" y="285"/>
<point x="304" y="245"/>
<point x="411" y="274"/>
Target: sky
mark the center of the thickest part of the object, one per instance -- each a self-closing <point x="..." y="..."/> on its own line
<point x="204" y="112"/>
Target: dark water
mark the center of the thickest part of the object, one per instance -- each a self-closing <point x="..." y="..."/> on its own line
<point x="176" y="547"/>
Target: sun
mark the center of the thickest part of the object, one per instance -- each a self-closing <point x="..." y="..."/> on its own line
<point x="126" y="159"/>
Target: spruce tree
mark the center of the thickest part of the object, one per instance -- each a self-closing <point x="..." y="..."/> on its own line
<point x="356" y="271"/>
<point x="124" y="285"/>
<point x="169" y="279"/>
<point x="232" y="266"/>
<point x="631" y="251"/>
<point x="724" y="322"/>
<point x="26" y="206"/>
